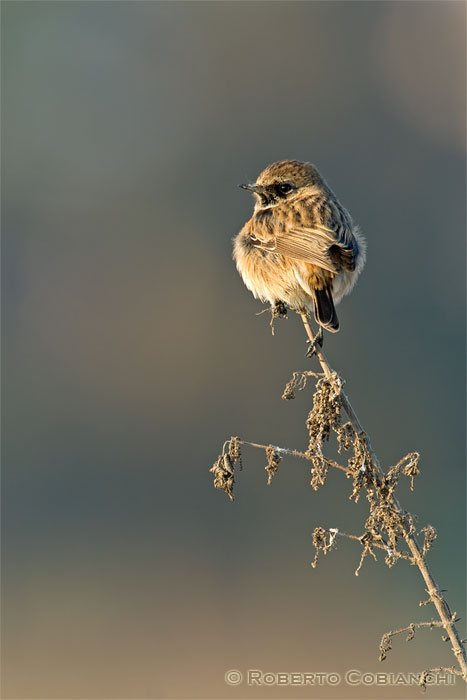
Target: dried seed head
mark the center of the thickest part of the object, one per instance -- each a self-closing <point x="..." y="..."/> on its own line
<point x="430" y="535"/>
<point x="319" y="471"/>
<point x="408" y="466"/>
<point x="274" y="459"/>
<point x="345" y="436"/>
<point x="235" y="451"/>
<point x="358" y="482"/>
<point x="326" y="412"/>
<point x="384" y="646"/>
<point x="288" y="393"/>
<point x="223" y="474"/>
<point x="323" y="541"/>
<point x="367" y="542"/>
<point x="298" y="382"/>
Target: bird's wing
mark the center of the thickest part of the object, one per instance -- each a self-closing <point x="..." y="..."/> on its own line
<point x="311" y="245"/>
<point x="329" y="244"/>
<point x="337" y="221"/>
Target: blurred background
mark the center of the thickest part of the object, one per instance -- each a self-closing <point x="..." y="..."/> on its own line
<point x="132" y="350"/>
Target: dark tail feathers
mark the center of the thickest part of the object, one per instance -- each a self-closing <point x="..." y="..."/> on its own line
<point x="325" y="313"/>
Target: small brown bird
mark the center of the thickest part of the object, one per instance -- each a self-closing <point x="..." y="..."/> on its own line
<point x="300" y="249"/>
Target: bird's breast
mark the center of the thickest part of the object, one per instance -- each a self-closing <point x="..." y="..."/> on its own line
<point x="262" y="225"/>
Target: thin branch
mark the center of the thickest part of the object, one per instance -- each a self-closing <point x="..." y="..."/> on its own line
<point x="386" y="640"/>
<point x="434" y="592"/>
<point x="283" y="450"/>
<point x="294" y="453"/>
<point x="387" y="523"/>
<point x="359" y="538"/>
<point x="441" y="669"/>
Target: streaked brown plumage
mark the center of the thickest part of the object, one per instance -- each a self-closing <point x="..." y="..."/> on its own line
<point x="300" y="248"/>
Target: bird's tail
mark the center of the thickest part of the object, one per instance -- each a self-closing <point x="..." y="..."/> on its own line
<point x="325" y="313"/>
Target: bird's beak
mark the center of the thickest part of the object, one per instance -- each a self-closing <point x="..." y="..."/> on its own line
<point x="253" y="188"/>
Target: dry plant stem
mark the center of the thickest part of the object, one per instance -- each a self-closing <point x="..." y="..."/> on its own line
<point x="446" y="617"/>
<point x="295" y="453"/>
<point x="359" y="539"/>
<point x="283" y="450"/>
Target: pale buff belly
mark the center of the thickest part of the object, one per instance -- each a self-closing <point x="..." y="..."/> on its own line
<point x="272" y="277"/>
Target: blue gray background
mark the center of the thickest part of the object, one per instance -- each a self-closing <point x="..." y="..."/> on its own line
<point x="131" y="349"/>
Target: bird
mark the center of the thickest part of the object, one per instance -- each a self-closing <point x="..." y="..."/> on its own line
<point x="300" y="249"/>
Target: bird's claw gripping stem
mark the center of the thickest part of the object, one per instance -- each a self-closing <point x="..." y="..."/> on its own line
<point x="315" y="344"/>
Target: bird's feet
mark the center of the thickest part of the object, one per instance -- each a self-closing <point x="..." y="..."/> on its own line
<point x="315" y="344"/>
<point x="279" y="310"/>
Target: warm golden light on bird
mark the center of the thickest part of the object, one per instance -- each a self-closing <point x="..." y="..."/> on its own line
<point x="300" y="249"/>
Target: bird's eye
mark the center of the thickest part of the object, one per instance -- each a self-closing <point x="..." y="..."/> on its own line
<point x="284" y="188"/>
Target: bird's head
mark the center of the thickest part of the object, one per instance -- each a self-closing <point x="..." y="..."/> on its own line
<point x="284" y="181"/>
